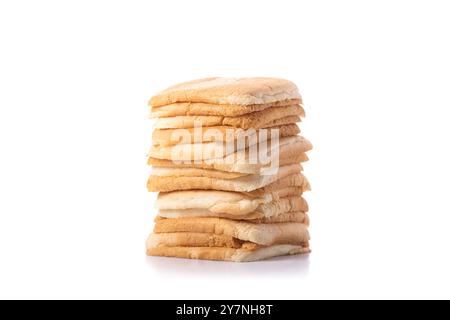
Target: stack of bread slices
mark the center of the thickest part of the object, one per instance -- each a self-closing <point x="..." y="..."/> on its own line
<point x="226" y="160"/>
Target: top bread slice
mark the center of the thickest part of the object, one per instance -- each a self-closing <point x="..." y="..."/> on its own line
<point x="233" y="91"/>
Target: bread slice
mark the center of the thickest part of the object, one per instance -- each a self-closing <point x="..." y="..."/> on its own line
<point x="222" y="201"/>
<point x="207" y="150"/>
<point x="298" y="216"/>
<point x="241" y="184"/>
<point x="259" y="233"/>
<point x="167" y="137"/>
<point x="219" y="152"/>
<point x="234" y="210"/>
<point x="212" y="200"/>
<point x="195" y="239"/>
<point x="233" y="202"/>
<point x="228" y="254"/>
<point x="209" y="109"/>
<point x="287" y="157"/>
<point x="254" y="216"/>
<point x="234" y="91"/>
<point x="292" y="185"/>
<point x="260" y="119"/>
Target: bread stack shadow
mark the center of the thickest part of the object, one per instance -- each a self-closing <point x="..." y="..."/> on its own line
<point x="226" y="160"/>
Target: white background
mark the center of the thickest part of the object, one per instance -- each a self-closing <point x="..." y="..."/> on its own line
<point x="75" y="78"/>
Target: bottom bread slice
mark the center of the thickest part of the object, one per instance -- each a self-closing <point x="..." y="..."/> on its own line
<point x="227" y="254"/>
<point x="196" y="239"/>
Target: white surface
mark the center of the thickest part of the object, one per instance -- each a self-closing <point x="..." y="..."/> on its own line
<point x="75" y="78"/>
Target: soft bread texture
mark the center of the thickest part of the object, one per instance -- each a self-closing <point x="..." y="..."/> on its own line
<point x="291" y="185"/>
<point x="259" y="233"/>
<point x="283" y="205"/>
<point x="208" y="109"/>
<point x="232" y="202"/>
<point x="282" y="121"/>
<point x="222" y="201"/>
<point x="219" y="152"/>
<point x="241" y="184"/>
<point x="227" y="254"/>
<point x="168" y="137"/>
<point x="287" y="157"/>
<point x="261" y="119"/>
<point x="235" y="91"/>
<point x="243" y="209"/>
<point x="300" y="217"/>
<point x="255" y="216"/>
<point x="211" y="200"/>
